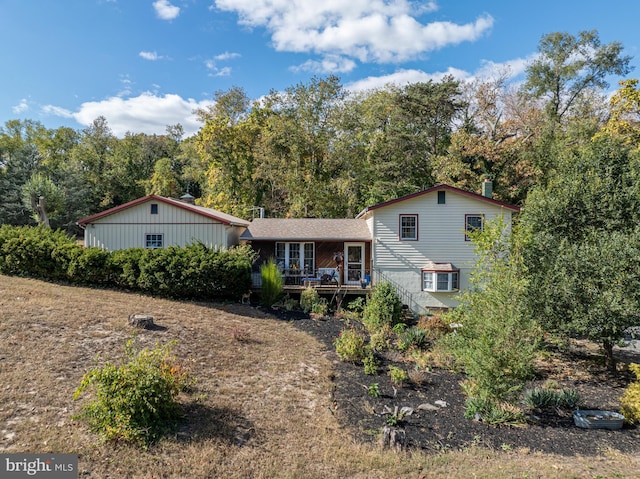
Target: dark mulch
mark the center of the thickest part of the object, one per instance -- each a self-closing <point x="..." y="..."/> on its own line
<point x="447" y="429"/>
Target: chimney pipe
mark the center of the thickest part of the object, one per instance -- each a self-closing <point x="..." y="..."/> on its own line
<point x="487" y="188"/>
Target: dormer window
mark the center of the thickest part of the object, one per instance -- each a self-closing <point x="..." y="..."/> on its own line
<point x="154" y="208"/>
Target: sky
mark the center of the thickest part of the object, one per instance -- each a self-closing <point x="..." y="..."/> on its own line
<point x="147" y="64"/>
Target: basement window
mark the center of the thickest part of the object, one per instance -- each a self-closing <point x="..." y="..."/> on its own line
<point x="440" y="278"/>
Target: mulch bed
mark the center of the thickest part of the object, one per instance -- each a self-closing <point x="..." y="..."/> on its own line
<point x="446" y="428"/>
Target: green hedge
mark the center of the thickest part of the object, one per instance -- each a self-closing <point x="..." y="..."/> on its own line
<point x="195" y="271"/>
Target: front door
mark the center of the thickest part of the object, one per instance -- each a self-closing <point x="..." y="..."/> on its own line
<point x="354" y="263"/>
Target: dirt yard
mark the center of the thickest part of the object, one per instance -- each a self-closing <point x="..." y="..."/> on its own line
<point x="271" y="399"/>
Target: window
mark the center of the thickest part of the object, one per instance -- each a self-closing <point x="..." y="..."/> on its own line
<point x="441" y="197"/>
<point x="154" y="208"/>
<point x="472" y="222"/>
<point x="153" y="240"/>
<point x="295" y="256"/>
<point x="408" y="227"/>
<point x="440" y="281"/>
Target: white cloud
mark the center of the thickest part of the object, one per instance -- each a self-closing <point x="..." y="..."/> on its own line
<point x="153" y="56"/>
<point x="510" y="70"/>
<point x="404" y="77"/>
<point x="329" y="64"/>
<point x="380" y="31"/>
<point x="227" y="56"/>
<point x="166" y="11"/>
<point x="21" y="107"/>
<point x="147" y="113"/>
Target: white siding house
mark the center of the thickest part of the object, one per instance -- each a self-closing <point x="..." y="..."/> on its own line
<point x="419" y="242"/>
<point x="157" y="222"/>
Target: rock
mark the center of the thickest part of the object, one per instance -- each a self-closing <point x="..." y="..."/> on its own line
<point x="440" y="403"/>
<point x="143" y="321"/>
<point x="427" y="407"/>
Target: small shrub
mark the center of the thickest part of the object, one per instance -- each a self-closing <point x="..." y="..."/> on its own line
<point x="379" y="341"/>
<point x="291" y="304"/>
<point x="136" y="401"/>
<point x="541" y="398"/>
<point x="308" y="298"/>
<point x="374" y="390"/>
<point x="370" y="363"/>
<point x="434" y="326"/>
<point x="357" y="305"/>
<point x="272" y="283"/>
<point x="350" y="346"/>
<point x="417" y="376"/>
<point x="412" y="337"/>
<point x="398" y="375"/>
<point x="383" y="308"/>
<point x="494" y="413"/>
<point x="630" y="400"/>
<point x="321" y="307"/>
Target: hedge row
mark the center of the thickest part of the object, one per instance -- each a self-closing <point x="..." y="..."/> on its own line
<point x="193" y="272"/>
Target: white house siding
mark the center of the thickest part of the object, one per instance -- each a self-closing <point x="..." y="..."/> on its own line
<point x="128" y="228"/>
<point x="441" y="239"/>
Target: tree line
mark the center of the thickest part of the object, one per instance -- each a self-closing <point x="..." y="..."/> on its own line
<point x="318" y="150"/>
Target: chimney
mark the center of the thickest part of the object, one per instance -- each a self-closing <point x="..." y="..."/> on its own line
<point x="487" y="188"/>
<point x="187" y="198"/>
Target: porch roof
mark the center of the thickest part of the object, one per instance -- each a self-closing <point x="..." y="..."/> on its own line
<point x="306" y="229"/>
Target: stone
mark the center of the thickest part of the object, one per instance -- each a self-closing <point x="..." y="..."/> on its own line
<point x="143" y="321"/>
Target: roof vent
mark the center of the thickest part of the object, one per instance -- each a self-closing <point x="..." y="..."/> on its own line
<point x="187" y="198"/>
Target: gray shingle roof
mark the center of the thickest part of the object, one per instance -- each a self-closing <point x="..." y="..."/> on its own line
<point x="307" y="229"/>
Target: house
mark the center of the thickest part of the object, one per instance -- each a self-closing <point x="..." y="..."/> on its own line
<point x="417" y="242"/>
<point x="420" y="243"/>
<point x="156" y="222"/>
<point x="324" y="251"/>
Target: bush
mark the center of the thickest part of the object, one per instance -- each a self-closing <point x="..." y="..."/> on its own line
<point x="630" y="400"/>
<point x="350" y="346"/>
<point x="321" y="307"/>
<point x="308" y="298"/>
<point x="91" y="266"/>
<point x="412" y="337"/>
<point x="398" y="375"/>
<point x="434" y="326"/>
<point x="542" y="398"/>
<point x="272" y="283"/>
<point x="370" y="363"/>
<point x="384" y="308"/>
<point x="136" y="401"/>
<point x="125" y="264"/>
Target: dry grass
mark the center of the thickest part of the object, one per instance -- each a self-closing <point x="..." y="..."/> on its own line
<point x="261" y="409"/>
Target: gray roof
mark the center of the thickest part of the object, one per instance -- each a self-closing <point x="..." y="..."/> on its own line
<point x="307" y="229"/>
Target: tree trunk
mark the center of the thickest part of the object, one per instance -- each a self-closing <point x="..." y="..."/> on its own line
<point x="41" y="210"/>
<point x="610" y="361"/>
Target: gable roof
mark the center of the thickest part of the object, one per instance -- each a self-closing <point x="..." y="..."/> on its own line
<point x="306" y="229"/>
<point x="439" y="188"/>
<point x="199" y="210"/>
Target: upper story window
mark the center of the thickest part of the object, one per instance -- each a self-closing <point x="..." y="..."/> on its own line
<point x="408" y="227"/>
<point x="442" y="198"/>
<point x="472" y="222"/>
<point x="154" y="240"/>
<point x="154" y="208"/>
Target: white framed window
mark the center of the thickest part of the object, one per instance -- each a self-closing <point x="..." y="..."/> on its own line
<point x="472" y="222"/>
<point x="154" y="240"/>
<point x="300" y="256"/>
<point x="408" y="227"/>
<point x="440" y="281"/>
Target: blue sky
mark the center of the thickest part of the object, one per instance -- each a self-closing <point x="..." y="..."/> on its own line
<point x="146" y="64"/>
